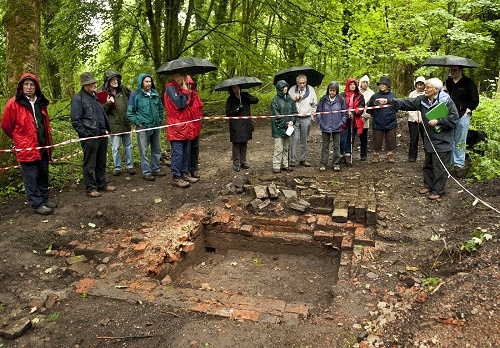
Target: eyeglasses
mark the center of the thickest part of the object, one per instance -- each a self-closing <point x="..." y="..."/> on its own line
<point x="429" y="87"/>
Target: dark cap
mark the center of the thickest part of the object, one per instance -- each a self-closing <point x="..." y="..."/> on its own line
<point x="87" y="78"/>
<point x="385" y="80"/>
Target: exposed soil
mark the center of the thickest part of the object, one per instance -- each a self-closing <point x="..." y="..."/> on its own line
<point x="385" y="302"/>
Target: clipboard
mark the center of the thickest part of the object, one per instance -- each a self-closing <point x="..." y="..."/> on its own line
<point x="102" y="96"/>
<point x="437" y="112"/>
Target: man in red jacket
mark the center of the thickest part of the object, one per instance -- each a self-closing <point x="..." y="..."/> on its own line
<point x="26" y="121"/>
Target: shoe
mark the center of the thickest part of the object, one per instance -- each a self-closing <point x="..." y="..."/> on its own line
<point x="148" y="177"/>
<point x="390" y="158"/>
<point x="375" y="158"/>
<point x="117" y="172"/>
<point x="363" y="158"/>
<point x="195" y="174"/>
<point x="94" y="194"/>
<point x="292" y="164"/>
<point x="236" y="167"/>
<point x="348" y="159"/>
<point x="460" y="172"/>
<point x="245" y="165"/>
<point x="434" y="196"/>
<point x="179" y="182"/>
<point x="50" y="204"/>
<point x="158" y="173"/>
<point x="305" y="163"/>
<point x="43" y="210"/>
<point x="187" y="177"/>
<point x="108" y="188"/>
<point x="287" y="169"/>
<point x="412" y="159"/>
<point x="336" y="168"/>
<point x="276" y="171"/>
<point x="131" y="171"/>
<point x="322" y="169"/>
<point x="424" y="190"/>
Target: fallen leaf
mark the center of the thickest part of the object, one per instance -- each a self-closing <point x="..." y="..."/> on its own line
<point x="45" y="221"/>
<point x="158" y="200"/>
<point x="410" y="268"/>
<point x="91" y="224"/>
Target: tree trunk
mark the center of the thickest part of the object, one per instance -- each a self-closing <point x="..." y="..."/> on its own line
<point x="22" y="28"/>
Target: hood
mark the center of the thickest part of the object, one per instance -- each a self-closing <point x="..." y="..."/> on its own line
<point x="335" y="84"/>
<point x="108" y="75"/>
<point x="365" y="78"/>
<point x="279" y="87"/>
<point x="419" y="79"/>
<point x="38" y="90"/>
<point x="141" y="78"/>
<point x="349" y="80"/>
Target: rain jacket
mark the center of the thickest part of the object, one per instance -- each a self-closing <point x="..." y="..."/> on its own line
<point x="307" y="104"/>
<point x="196" y="108"/>
<point x="282" y="104"/>
<point x="384" y="118"/>
<point x="145" y="110"/>
<point x="177" y="101"/>
<point x="87" y="115"/>
<point x="240" y="130"/>
<point x="334" y="122"/>
<point x="354" y="100"/>
<point x="116" y="112"/>
<point x="22" y="126"/>
<point x="443" y="140"/>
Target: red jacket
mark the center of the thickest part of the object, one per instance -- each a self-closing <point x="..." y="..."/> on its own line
<point x="196" y="110"/>
<point x="177" y="102"/>
<point x="18" y="122"/>
<point x="358" y="103"/>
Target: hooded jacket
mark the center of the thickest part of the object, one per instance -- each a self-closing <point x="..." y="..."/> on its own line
<point x="367" y="94"/>
<point x="334" y="122"/>
<point x="116" y="112"/>
<point x="282" y="104"/>
<point x="355" y="100"/>
<point x="145" y="110"/>
<point x="443" y="140"/>
<point x="21" y="125"/>
<point x="240" y="130"/>
<point x="414" y="116"/>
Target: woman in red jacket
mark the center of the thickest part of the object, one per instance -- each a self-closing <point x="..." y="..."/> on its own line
<point x="26" y="121"/>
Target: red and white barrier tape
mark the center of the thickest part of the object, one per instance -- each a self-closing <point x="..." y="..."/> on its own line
<point x="54" y="160"/>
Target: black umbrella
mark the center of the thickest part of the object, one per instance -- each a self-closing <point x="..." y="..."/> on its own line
<point x="242" y="81"/>
<point x="186" y="65"/>
<point x="314" y="77"/>
<point x="450" y="61"/>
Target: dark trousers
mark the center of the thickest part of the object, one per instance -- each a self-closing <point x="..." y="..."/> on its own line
<point x="416" y="131"/>
<point x="180" y="157"/>
<point x="363" y="138"/>
<point x="239" y="153"/>
<point x="94" y="163"/>
<point x="36" y="180"/>
<point x="435" y="175"/>
<point x="390" y="140"/>
<point x="194" y="153"/>
<point x="347" y="138"/>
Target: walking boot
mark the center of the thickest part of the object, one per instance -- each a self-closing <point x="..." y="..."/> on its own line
<point x="375" y="158"/>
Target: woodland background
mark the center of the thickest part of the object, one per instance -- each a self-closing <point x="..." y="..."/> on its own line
<point x="59" y="39"/>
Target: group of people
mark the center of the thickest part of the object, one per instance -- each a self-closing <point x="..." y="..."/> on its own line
<point x="343" y="115"/>
<point x="115" y="109"/>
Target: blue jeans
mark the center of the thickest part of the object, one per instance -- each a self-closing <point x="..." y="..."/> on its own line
<point x="144" y="141"/>
<point x="116" y="141"/>
<point x="302" y="129"/>
<point x="180" y="157"/>
<point x="460" y="138"/>
<point x="36" y="180"/>
<point x="347" y="138"/>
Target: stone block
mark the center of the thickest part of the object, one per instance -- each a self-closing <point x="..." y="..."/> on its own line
<point x="299" y="207"/>
<point x="340" y="215"/>
<point x="273" y="191"/>
<point x="318" y="200"/>
<point x="289" y="193"/>
<point x="16" y="328"/>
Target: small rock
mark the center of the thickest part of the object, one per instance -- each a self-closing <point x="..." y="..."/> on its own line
<point x="372" y="275"/>
<point x="16" y="328"/>
<point x="474" y="311"/>
<point x="362" y="336"/>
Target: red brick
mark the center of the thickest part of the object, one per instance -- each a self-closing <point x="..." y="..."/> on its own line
<point x="292" y="220"/>
<point x="225" y="218"/>
<point x="347" y="242"/>
<point x="323" y="235"/>
<point x="85" y="284"/>
<point x="141" y="246"/>
<point x="239" y="314"/>
<point x="246" y="230"/>
<point x="359" y="231"/>
<point x="220" y="311"/>
<point x="200" y="307"/>
<point x="188" y="247"/>
<point x="311" y="220"/>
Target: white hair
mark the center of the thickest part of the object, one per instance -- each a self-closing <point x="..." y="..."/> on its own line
<point x="300" y="76"/>
<point x="435" y="82"/>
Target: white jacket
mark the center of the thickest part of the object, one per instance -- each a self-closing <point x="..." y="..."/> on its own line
<point x="305" y="105"/>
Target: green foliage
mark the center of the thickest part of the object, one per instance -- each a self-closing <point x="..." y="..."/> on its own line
<point x="485" y="118"/>
<point x="479" y="237"/>
<point x="53" y="317"/>
<point x="431" y="283"/>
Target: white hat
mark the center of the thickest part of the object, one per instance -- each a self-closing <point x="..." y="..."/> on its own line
<point x="419" y="79"/>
